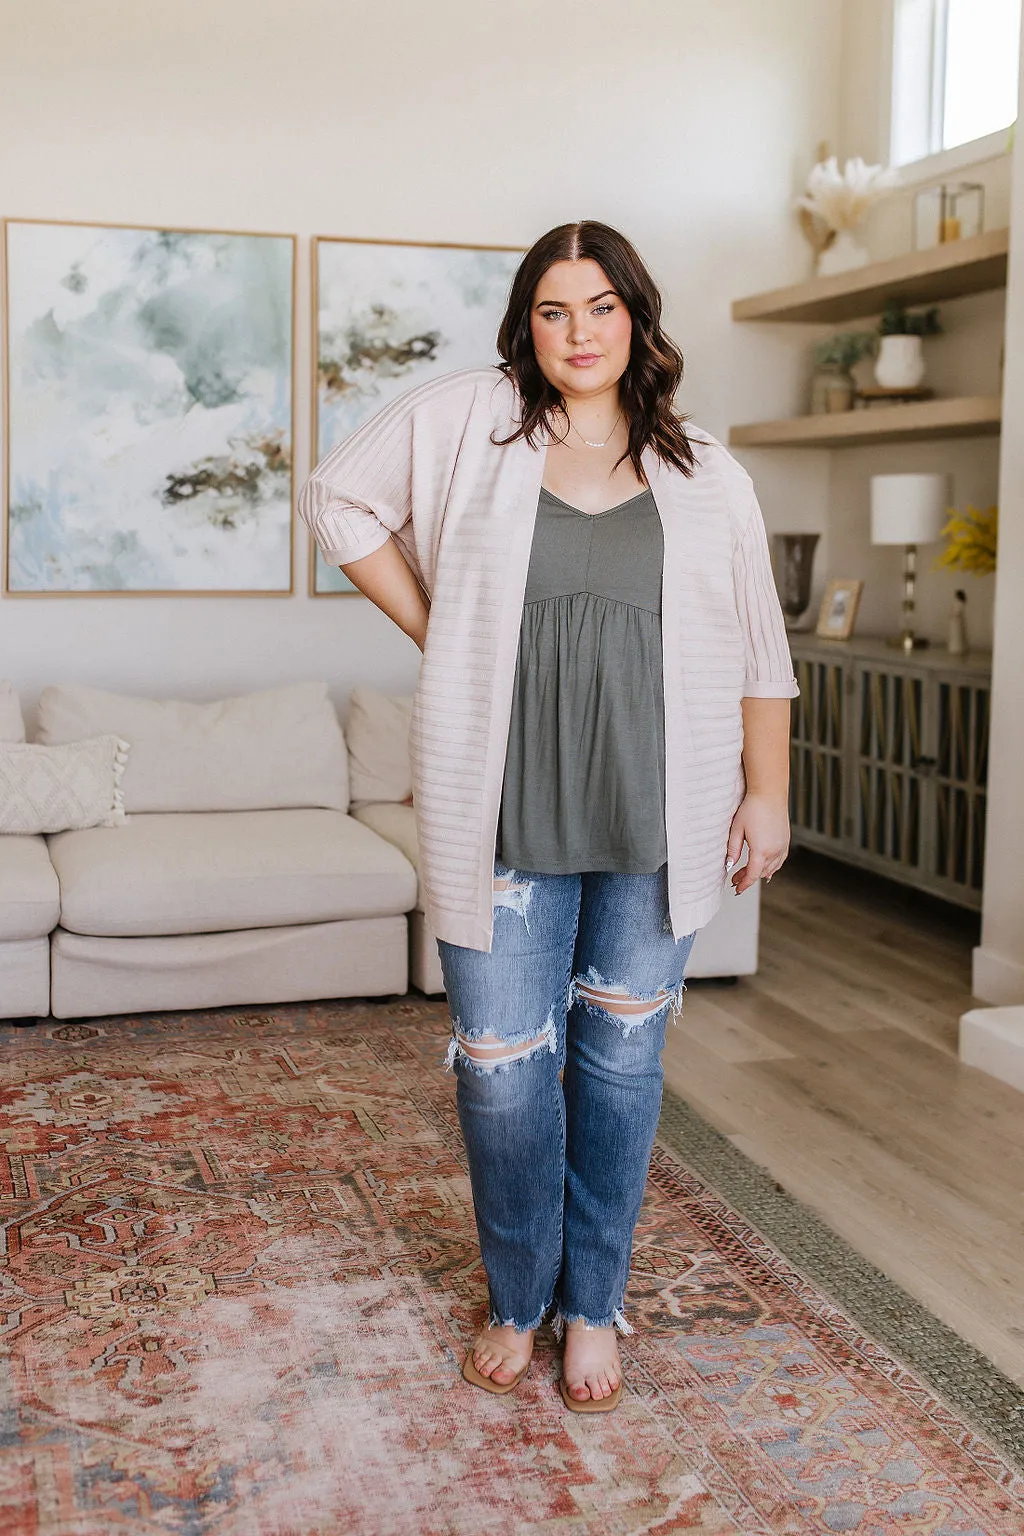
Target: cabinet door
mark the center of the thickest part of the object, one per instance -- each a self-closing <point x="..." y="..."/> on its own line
<point x="960" y="778"/>
<point x="890" y="769"/>
<point x="817" y="730"/>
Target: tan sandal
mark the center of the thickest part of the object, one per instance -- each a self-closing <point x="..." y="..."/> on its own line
<point x="589" y="1404"/>
<point x="499" y="1388"/>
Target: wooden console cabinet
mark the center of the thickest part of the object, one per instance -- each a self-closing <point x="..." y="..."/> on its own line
<point x="889" y="757"/>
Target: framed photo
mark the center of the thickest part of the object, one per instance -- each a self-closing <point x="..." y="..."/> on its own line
<point x="148" y="389"/>
<point x="839" y="608"/>
<point x="388" y="315"/>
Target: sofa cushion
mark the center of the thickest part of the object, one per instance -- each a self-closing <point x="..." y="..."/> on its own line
<point x="397" y="825"/>
<point x="221" y="870"/>
<point x="29" y="892"/>
<point x="12" y="724"/>
<point x="57" y="789"/>
<point x="280" y="749"/>
<point x="377" y="732"/>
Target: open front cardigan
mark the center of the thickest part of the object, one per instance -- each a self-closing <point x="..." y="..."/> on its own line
<point x="425" y="471"/>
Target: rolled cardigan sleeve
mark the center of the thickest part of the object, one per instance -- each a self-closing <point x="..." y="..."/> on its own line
<point x="769" y="665"/>
<point x="361" y="492"/>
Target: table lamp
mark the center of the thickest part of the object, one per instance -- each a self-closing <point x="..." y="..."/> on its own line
<point x="908" y="510"/>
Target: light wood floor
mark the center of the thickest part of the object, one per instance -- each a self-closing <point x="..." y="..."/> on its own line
<point x="835" y="1068"/>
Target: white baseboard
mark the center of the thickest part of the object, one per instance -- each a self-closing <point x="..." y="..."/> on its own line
<point x="996" y="978"/>
<point x="992" y="1039"/>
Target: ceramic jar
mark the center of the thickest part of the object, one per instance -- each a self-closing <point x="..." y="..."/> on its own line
<point x="900" y="362"/>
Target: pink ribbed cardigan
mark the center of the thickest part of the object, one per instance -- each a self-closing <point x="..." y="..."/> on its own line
<point x="425" y="471"/>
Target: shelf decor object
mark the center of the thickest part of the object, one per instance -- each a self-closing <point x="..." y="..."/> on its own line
<point x="972" y="541"/>
<point x="832" y="385"/>
<point x="950" y="211"/>
<point x="149" y="411"/>
<point x="889" y="760"/>
<point x="794" y="562"/>
<point x="870" y="396"/>
<point x="839" y="608"/>
<point x="899" y="361"/>
<point x="387" y="315"/>
<point x="908" y="510"/>
<point x="839" y="199"/>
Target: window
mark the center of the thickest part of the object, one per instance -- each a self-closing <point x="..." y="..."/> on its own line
<point x="955" y="69"/>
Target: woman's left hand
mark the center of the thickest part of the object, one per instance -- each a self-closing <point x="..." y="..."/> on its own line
<point x="762" y="821"/>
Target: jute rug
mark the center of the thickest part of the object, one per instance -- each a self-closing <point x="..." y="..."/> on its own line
<point x="240" y="1275"/>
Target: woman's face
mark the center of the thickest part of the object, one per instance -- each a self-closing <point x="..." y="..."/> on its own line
<point x="581" y="329"/>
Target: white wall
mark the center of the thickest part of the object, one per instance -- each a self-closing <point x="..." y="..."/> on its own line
<point x="689" y="126"/>
<point x="999" y="959"/>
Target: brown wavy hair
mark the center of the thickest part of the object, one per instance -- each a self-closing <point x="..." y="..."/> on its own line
<point x="648" y="386"/>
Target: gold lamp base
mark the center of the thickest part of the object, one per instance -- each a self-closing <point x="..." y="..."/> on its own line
<point x="907" y="642"/>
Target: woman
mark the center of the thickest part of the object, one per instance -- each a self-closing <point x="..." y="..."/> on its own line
<point x="601" y="722"/>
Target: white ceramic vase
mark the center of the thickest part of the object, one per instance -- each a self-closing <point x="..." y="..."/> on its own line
<point x="843" y="255"/>
<point x="900" y="362"/>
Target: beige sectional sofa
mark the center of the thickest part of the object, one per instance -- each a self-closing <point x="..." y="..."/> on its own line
<point x="237" y="877"/>
<point x="266" y="857"/>
<point x="29" y="901"/>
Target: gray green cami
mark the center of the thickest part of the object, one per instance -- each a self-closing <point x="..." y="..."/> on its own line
<point x="584" y="785"/>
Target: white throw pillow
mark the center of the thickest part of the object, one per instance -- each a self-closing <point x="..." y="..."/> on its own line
<point x="12" y="726"/>
<point x="282" y="749"/>
<point x="61" y="789"/>
<point x="377" y="732"/>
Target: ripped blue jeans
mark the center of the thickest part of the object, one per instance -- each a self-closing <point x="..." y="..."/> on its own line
<point x="557" y="1036"/>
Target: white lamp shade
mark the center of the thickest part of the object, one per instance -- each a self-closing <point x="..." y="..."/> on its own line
<point x="908" y="509"/>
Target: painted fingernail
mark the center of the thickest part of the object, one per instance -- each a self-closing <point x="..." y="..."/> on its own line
<point x="729" y="863"/>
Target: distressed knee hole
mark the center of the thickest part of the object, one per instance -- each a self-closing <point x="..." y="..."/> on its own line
<point x="513" y="893"/>
<point x="489" y="1053"/>
<point x="616" y="1001"/>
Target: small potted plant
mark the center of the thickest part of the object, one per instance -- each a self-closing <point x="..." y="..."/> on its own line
<point x="833" y="387"/>
<point x="899" y="363"/>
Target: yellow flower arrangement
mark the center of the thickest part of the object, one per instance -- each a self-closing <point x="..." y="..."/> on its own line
<point x="972" y="541"/>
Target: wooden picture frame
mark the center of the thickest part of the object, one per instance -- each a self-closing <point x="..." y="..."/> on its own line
<point x="387" y="315"/>
<point x="838" y="609"/>
<point x="149" y="422"/>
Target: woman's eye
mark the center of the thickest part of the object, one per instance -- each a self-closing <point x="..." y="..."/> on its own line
<point x="604" y="309"/>
<point x="553" y="314"/>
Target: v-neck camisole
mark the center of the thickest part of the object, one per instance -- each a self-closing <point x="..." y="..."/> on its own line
<point x="584" y="784"/>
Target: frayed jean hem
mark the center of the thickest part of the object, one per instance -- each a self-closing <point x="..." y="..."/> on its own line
<point x="616" y="1319"/>
<point x="497" y="1321"/>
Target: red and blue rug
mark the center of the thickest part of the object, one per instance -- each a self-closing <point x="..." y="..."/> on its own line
<point x="240" y="1274"/>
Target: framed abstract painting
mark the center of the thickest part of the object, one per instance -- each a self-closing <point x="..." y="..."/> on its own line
<point x="388" y="315"/>
<point x="149" y="398"/>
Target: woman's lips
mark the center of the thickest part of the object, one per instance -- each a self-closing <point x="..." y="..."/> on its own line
<point x="585" y="359"/>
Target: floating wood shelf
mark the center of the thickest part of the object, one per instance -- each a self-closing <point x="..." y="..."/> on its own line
<point x="947" y="271"/>
<point x="969" y="416"/>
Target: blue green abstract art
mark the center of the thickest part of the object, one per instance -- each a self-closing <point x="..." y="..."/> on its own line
<point x="149" y="410"/>
<point x="390" y="315"/>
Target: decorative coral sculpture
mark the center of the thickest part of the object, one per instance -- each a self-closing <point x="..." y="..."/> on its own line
<point x="972" y="541"/>
<point x="840" y="199"/>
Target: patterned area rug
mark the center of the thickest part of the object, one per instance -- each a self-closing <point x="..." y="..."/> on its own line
<point x="240" y="1276"/>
